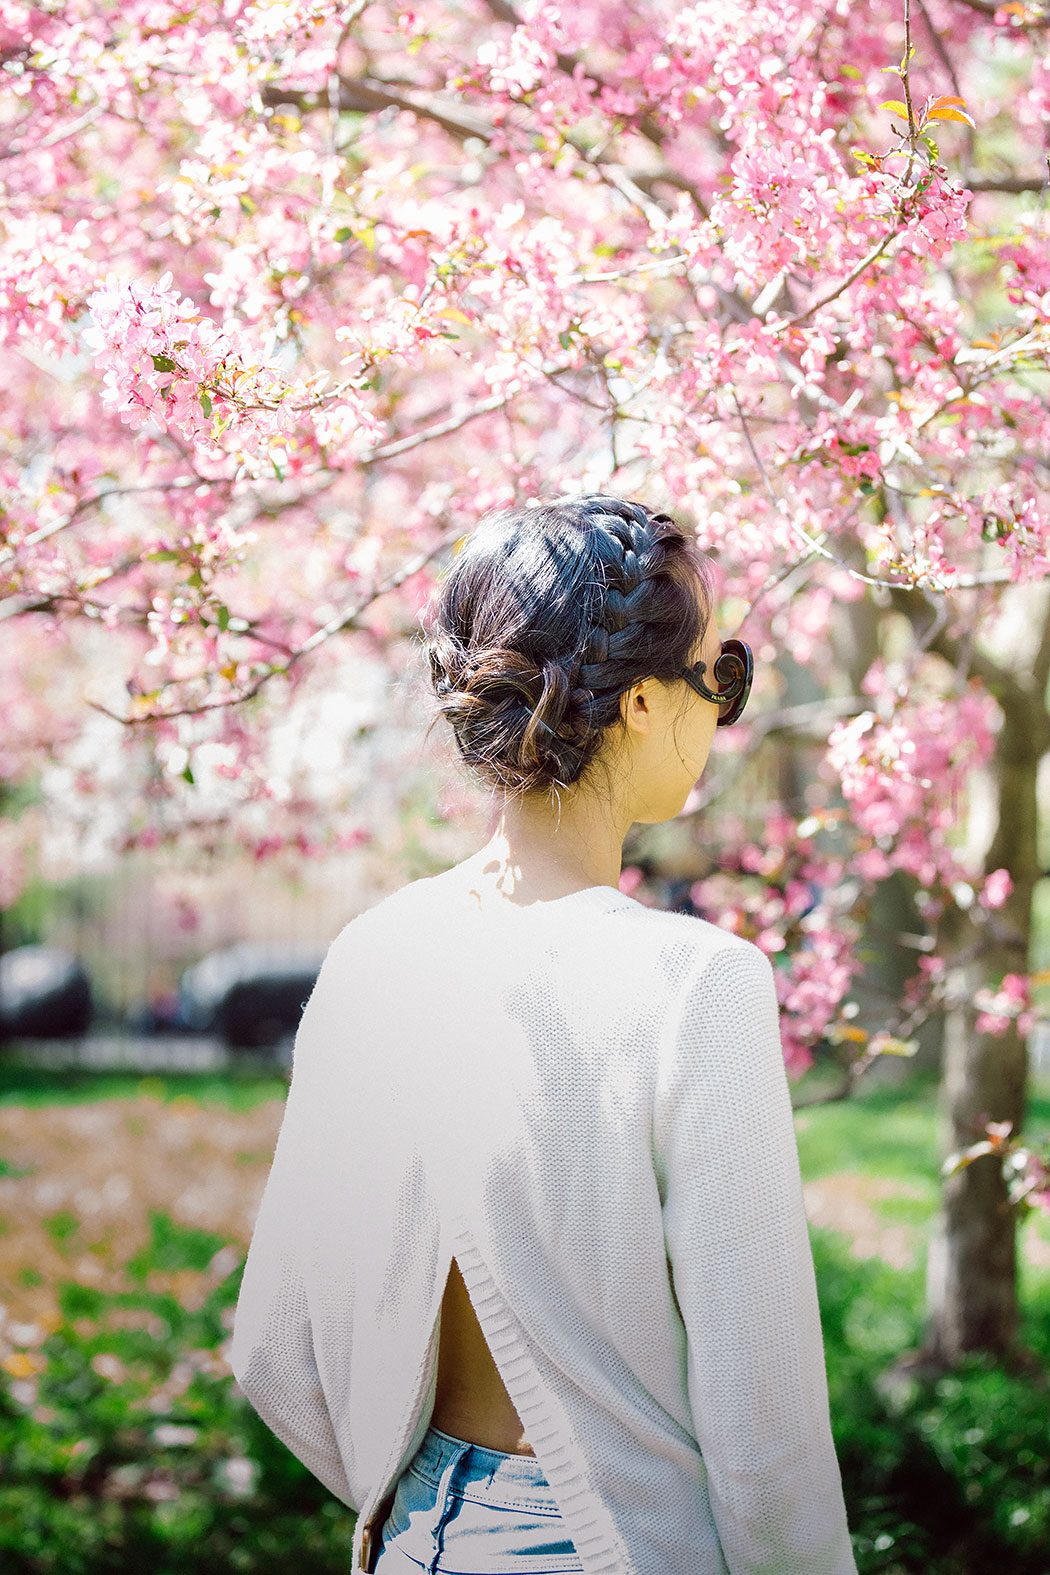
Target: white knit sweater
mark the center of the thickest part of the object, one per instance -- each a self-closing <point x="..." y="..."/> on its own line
<point x="585" y="1101"/>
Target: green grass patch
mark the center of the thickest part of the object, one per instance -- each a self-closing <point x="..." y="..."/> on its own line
<point x="61" y="1226"/>
<point x="126" y="1446"/>
<point x="881" y="1130"/>
<point x="953" y="1478"/>
<point x="238" y="1089"/>
<point x="908" y="1211"/>
<point x="892" y="1133"/>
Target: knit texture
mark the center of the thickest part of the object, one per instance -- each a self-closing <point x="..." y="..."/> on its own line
<point x="585" y="1101"/>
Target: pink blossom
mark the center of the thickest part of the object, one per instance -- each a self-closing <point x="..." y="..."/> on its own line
<point x="997" y="887"/>
<point x="1000" y="1008"/>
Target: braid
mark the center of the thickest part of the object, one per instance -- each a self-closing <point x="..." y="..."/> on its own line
<point x="630" y="555"/>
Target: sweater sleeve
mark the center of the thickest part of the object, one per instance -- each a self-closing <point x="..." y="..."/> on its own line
<point x="272" y="1350"/>
<point x="742" y="1272"/>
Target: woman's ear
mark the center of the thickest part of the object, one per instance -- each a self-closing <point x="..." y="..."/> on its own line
<point x="635" y="707"/>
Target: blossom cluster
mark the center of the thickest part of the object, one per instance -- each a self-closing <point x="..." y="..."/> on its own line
<point x="296" y="294"/>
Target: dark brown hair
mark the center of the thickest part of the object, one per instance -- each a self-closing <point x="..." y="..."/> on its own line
<point x="547" y="615"/>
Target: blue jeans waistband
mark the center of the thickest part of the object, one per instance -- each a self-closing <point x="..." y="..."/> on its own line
<point x="494" y="1468"/>
<point x="462" y="1509"/>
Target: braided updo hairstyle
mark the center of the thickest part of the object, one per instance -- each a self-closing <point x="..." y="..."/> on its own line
<point x="547" y="615"/>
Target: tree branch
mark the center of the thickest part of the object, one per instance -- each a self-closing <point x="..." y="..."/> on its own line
<point x="369" y="95"/>
<point x="1013" y="184"/>
<point x="1031" y="23"/>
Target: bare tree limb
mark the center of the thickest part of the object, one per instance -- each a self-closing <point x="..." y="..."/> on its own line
<point x="369" y="95"/>
<point x="1013" y="184"/>
<point x="346" y="618"/>
<point x="1031" y="23"/>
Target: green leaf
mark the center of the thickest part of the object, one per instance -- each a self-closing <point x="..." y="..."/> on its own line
<point x="849" y="71"/>
<point x="166" y="555"/>
<point x="187" y="774"/>
<point x="896" y="106"/>
<point x="205" y="403"/>
<point x="344" y="234"/>
<point x="278" y="472"/>
<point x="161" y="363"/>
<point x="222" y="614"/>
<point x="565" y="339"/>
<point x="195" y="580"/>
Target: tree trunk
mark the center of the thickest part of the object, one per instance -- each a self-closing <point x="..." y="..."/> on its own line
<point x="972" y="1266"/>
<point x="889" y="963"/>
<point x="971" y="1276"/>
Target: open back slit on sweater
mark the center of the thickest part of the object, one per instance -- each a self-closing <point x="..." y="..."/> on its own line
<point x="546" y="1426"/>
<point x="585" y="1102"/>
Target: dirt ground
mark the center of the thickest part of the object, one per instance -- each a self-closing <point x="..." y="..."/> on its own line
<point x="94" y="1171"/>
<point x="106" y="1165"/>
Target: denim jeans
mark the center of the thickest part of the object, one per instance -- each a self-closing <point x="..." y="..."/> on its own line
<point x="462" y="1510"/>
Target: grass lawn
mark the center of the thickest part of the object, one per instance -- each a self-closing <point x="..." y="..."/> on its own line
<point x="890" y="1136"/>
<point x="236" y="1090"/>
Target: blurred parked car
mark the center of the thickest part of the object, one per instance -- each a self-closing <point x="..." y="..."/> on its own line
<point x="44" y="994"/>
<point x="250" y="994"/>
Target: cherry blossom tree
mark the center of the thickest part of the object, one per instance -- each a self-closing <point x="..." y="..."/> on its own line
<point x="291" y="292"/>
